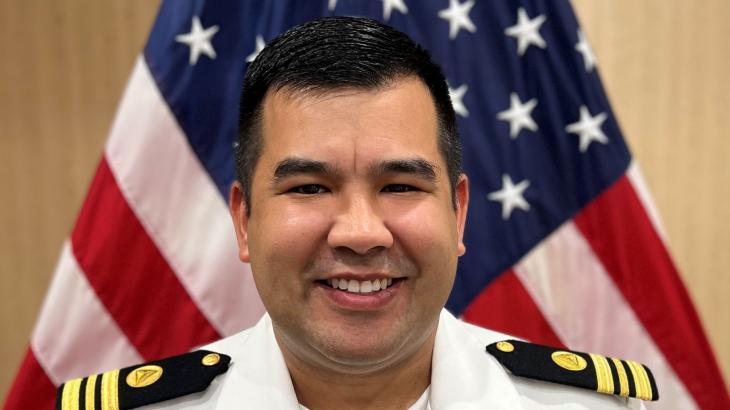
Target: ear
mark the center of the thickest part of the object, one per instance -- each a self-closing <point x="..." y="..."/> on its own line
<point x="462" y="205"/>
<point x="239" y="216"/>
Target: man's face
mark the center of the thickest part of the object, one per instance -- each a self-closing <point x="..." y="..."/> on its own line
<point x="351" y="190"/>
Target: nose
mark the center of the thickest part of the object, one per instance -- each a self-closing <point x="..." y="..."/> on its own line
<point x="358" y="227"/>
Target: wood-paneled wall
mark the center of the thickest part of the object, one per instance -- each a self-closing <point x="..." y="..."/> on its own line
<point x="666" y="67"/>
<point x="63" y="66"/>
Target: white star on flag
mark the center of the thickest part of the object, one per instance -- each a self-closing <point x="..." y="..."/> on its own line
<point x="511" y="196"/>
<point x="526" y="31"/>
<point x="457" y="99"/>
<point x="332" y="4"/>
<point x="389" y="5"/>
<point x="588" y="128"/>
<point x="260" y="44"/>
<point x="198" y="39"/>
<point x="458" y="16"/>
<point x="589" y="59"/>
<point x="519" y="115"/>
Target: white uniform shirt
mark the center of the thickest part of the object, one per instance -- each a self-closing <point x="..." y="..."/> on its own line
<point x="463" y="377"/>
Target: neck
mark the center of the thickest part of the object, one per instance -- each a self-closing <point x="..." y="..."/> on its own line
<point x="395" y="387"/>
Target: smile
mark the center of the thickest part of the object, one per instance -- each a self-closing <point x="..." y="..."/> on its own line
<point x="357" y="286"/>
<point x="361" y="295"/>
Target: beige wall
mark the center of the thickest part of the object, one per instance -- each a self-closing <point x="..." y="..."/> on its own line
<point x="63" y="66"/>
<point x="666" y="67"/>
<point x="665" y="64"/>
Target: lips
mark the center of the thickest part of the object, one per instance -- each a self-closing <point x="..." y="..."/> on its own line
<point x="361" y="295"/>
<point x="358" y="286"/>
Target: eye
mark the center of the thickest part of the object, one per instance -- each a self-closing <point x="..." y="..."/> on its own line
<point x="399" y="188"/>
<point x="309" y="189"/>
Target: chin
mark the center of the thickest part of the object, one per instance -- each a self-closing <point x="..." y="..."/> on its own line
<point x="364" y="358"/>
<point x="363" y="349"/>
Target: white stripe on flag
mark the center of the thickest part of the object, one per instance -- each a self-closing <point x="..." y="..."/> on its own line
<point x="637" y="181"/>
<point x="75" y="336"/>
<point x="175" y="200"/>
<point x="579" y="299"/>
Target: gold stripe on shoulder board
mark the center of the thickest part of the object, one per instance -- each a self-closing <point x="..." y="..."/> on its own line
<point x="70" y="395"/>
<point x="641" y="380"/>
<point x="604" y="377"/>
<point x="90" y="392"/>
<point x="110" y="390"/>
<point x="623" y="380"/>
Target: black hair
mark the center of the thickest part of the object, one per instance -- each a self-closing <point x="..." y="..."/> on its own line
<point x="333" y="53"/>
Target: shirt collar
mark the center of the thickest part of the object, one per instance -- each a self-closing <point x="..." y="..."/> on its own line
<point x="463" y="375"/>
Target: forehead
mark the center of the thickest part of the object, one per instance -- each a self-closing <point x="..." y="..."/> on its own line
<point x="338" y="125"/>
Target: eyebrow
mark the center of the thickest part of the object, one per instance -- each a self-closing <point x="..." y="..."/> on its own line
<point x="415" y="166"/>
<point x="297" y="166"/>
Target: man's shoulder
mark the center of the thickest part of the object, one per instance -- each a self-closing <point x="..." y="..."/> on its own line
<point x="588" y="371"/>
<point x="544" y="377"/>
<point x="187" y="381"/>
<point x="144" y="384"/>
<point x="537" y="394"/>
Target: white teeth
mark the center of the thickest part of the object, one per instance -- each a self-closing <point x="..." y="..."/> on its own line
<point x="366" y="287"/>
<point x="355" y="286"/>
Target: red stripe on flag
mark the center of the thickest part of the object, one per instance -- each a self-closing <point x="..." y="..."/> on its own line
<point x="505" y="306"/>
<point x="643" y="271"/>
<point x="130" y="276"/>
<point x="32" y="388"/>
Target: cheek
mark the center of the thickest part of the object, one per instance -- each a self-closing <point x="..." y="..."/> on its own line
<point x="430" y="243"/>
<point x="427" y="235"/>
<point x="425" y="228"/>
<point x="283" y="243"/>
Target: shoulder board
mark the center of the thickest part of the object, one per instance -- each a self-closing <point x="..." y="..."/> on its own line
<point x="607" y="375"/>
<point x="143" y="384"/>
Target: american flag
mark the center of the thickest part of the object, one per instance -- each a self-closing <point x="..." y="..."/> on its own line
<point x="564" y="245"/>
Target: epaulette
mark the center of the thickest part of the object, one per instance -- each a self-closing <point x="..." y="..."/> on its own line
<point x="144" y="384"/>
<point x="607" y="375"/>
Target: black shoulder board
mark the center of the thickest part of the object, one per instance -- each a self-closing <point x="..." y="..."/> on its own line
<point x="143" y="384"/>
<point x="589" y="371"/>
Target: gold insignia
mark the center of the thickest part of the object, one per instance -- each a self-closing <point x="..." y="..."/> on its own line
<point x="569" y="361"/>
<point x="506" y="347"/>
<point x="211" y="359"/>
<point x="144" y="376"/>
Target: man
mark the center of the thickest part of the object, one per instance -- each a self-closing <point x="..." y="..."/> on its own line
<point x="350" y="206"/>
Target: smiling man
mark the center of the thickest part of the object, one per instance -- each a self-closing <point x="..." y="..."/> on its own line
<point x="353" y="233"/>
<point x="350" y="206"/>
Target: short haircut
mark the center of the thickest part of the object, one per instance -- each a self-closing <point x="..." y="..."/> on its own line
<point x="339" y="53"/>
